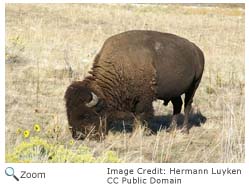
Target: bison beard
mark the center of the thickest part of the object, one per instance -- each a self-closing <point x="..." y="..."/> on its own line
<point x="132" y="70"/>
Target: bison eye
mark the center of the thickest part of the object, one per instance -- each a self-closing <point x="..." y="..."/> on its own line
<point x="85" y="116"/>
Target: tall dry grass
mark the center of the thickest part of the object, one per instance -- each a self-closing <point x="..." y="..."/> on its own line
<point x="48" y="46"/>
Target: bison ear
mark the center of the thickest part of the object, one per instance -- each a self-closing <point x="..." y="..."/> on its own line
<point x="94" y="101"/>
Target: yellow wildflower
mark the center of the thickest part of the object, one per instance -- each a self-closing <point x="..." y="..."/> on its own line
<point x="26" y="133"/>
<point x="18" y="131"/>
<point x="37" y="128"/>
<point x="71" y="142"/>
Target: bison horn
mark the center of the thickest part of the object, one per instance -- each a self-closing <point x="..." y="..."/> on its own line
<point x="94" y="100"/>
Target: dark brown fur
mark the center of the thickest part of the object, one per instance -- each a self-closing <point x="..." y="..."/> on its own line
<point x="131" y="70"/>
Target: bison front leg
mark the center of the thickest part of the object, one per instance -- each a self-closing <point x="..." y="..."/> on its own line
<point x="144" y="110"/>
<point x="177" y="107"/>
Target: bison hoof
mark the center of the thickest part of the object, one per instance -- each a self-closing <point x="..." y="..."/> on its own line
<point x="171" y="128"/>
<point x="185" y="130"/>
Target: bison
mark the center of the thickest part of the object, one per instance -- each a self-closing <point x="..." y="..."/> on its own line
<point x="133" y="69"/>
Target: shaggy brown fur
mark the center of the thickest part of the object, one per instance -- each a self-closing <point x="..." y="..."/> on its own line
<point x="131" y="70"/>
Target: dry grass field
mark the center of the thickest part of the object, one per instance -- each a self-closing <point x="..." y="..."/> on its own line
<point x="50" y="45"/>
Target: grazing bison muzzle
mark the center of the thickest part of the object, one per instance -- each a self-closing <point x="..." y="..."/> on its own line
<point x="132" y="70"/>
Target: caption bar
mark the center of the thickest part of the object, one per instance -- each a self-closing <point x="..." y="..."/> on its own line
<point x="159" y="175"/>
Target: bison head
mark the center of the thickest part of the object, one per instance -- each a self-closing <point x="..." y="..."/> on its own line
<point x="83" y="111"/>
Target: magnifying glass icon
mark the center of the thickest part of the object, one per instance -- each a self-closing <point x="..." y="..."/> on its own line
<point x="9" y="171"/>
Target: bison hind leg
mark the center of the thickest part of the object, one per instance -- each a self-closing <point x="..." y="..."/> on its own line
<point x="177" y="107"/>
<point x="188" y="104"/>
